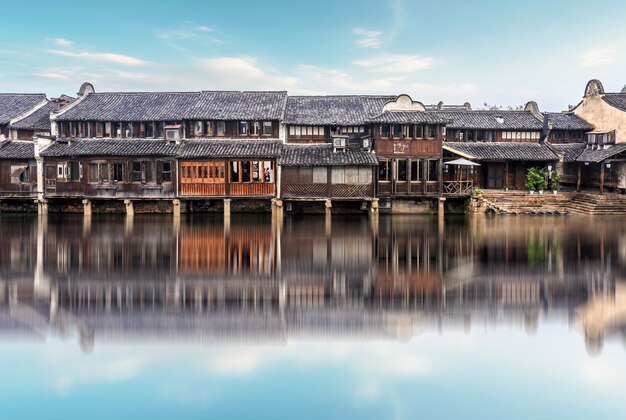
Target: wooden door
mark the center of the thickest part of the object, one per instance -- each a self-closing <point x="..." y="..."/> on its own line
<point x="495" y="176"/>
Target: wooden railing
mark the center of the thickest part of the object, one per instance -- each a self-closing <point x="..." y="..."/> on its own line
<point x="458" y="187"/>
<point x="304" y="190"/>
<point x="205" y="189"/>
<point x="252" y="189"/>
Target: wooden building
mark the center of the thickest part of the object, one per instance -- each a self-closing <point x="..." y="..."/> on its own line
<point x="228" y="168"/>
<point x="319" y="119"/>
<point x="600" y="162"/>
<point x="37" y="121"/>
<point x="111" y="169"/>
<point x="18" y="170"/>
<point x="172" y="115"/>
<point x="14" y="106"/>
<point x="321" y="171"/>
<point x="503" y="165"/>
<point x="408" y="141"/>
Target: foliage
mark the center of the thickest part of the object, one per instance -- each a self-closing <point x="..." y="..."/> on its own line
<point x="555" y="181"/>
<point x="489" y="107"/>
<point x="536" y="179"/>
<point x="477" y="191"/>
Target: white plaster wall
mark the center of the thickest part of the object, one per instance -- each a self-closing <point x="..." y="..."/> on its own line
<point x="603" y="116"/>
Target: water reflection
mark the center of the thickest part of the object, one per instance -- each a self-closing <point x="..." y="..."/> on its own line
<point x="196" y="279"/>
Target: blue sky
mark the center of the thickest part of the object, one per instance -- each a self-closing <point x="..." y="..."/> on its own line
<point x="499" y="52"/>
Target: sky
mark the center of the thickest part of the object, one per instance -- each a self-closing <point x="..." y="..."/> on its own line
<point x="498" y="52"/>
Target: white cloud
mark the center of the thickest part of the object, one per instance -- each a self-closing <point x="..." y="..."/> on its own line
<point x="242" y="73"/>
<point x="188" y="32"/>
<point x="368" y="38"/>
<point x="321" y="80"/>
<point x="62" y="42"/>
<point x="597" y="57"/>
<point x="45" y="74"/>
<point x="103" y="57"/>
<point x="399" y="63"/>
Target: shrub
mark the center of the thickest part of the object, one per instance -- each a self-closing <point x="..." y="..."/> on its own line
<point x="555" y="181"/>
<point x="535" y="179"/>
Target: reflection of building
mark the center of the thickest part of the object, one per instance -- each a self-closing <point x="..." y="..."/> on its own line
<point x="253" y="281"/>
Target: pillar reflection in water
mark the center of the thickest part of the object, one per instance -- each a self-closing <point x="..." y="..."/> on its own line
<point x="203" y="279"/>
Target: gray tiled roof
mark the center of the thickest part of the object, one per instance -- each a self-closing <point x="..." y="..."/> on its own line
<point x="595" y="156"/>
<point x="38" y="120"/>
<point x="192" y="149"/>
<point x="110" y="147"/>
<point x="487" y="120"/>
<point x="323" y="155"/>
<point x="164" y="106"/>
<point x="16" y="149"/>
<point x="503" y="151"/>
<point x="408" y="117"/>
<point x="333" y="110"/>
<point x="569" y="151"/>
<point x="13" y="104"/>
<point x="567" y="121"/>
<point x="618" y="100"/>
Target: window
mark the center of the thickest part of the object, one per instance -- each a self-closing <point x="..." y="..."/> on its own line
<point x="432" y="131"/>
<point x="160" y="129"/>
<point x="99" y="129"/>
<point x="251" y="171"/>
<point x="149" y="129"/>
<point x="384" y="130"/>
<point x="415" y="170"/>
<point x="116" y="129"/>
<point x="135" y="172"/>
<point x="292" y="130"/>
<point x="384" y="172"/>
<point x="74" y="130"/>
<point x="62" y="171"/>
<point x="93" y="172"/>
<point x="221" y="128"/>
<point x="198" y="129"/>
<point x="397" y="130"/>
<point x="267" y="128"/>
<point x="107" y="129"/>
<point x="419" y="131"/>
<point x="433" y="170"/>
<point x="320" y="175"/>
<point x="210" y="128"/>
<point x="166" y="171"/>
<point x="103" y="172"/>
<point x="128" y="131"/>
<point x="76" y="171"/>
<point x="255" y="128"/>
<point x="98" y="172"/>
<point x="84" y="129"/>
<point x="119" y="172"/>
<point x="309" y="131"/>
<point x="401" y="174"/>
<point x="243" y="128"/>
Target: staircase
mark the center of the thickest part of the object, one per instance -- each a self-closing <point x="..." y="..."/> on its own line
<point x="521" y="202"/>
<point x="594" y="203"/>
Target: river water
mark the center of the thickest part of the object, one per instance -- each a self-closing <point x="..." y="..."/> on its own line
<point x="350" y="317"/>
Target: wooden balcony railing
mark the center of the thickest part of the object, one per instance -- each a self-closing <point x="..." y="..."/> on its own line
<point x="458" y="187"/>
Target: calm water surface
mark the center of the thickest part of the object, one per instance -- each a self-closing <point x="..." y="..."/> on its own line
<point x="502" y="318"/>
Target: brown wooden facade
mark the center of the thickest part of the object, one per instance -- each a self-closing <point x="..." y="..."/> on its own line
<point x="499" y="136"/>
<point x="245" y="129"/>
<point x="304" y="134"/>
<point x="331" y="182"/>
<point x="18" y="178"/>
<point x="409" y="159"/>
<point x="227" y="178"/>
<point x="110" y="177"/>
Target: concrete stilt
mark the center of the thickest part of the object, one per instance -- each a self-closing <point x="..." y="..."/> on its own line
<point x="328" y="205"/>
<point x="130" y="208"/>
<point x="227" y="207"/>
<point x="441" y="204"/>
<point x="42" y="207"/>
<point x="176" y="207"/>
<point x="87" y="208"/>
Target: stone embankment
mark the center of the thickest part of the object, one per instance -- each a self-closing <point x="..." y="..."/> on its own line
<point x="521" y="202"/>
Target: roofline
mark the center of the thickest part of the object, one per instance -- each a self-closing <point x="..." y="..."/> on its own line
<point x="29" y="112"/>
<point x="458" y="152"/>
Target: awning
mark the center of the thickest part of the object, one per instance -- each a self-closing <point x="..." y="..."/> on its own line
<point x="462" y="162"/>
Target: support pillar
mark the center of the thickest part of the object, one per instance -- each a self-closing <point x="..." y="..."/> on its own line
<point x="176" y="207"/>
<point x="374" y="221"/>
<point x="227" y="216"/>
<point x="578" y="180"/>
<point x="42" y="207"/>
<point x="130" y="208"/>
<point x="328" y="205"/>
<point x="87" y="208"/>
<point x="601" y="177"/>
<point x="441" y="204"/>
